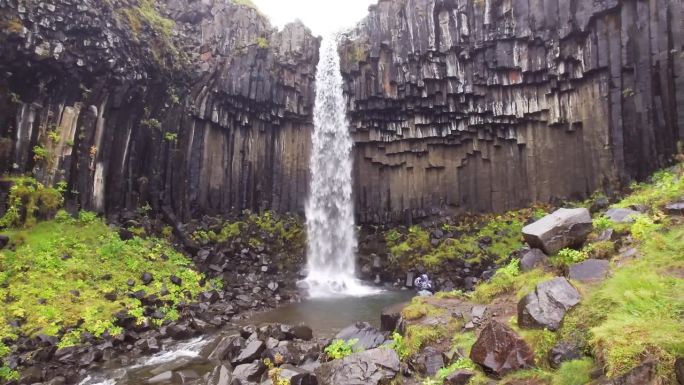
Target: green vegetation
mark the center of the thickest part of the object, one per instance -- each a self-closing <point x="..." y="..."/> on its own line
<point x="507" y="280"/>
<point x="487" y="237"/>
<point x="567" y="257"/>
<point x="664" y="187"/>
<point x="340" y="348"/>
<point x="399" y="345"/>
<point x="417" y="336"/>
<point x="152" y="123"/>
<point x="56" y="279"/>
<point x="28" y="202"/>
<point x="419" y="308"/>
<point x="262" y="42"/>
<point x="40" y="153"/>
<point x="171" y="137"/>
<point x="283" y="232"/>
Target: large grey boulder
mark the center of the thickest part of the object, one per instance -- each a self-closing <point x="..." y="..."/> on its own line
<point x="620" y="215"/>
<point x="564" y="228"/>
<point x="371" y="367"/>
<point x="546" y="306"/>
<point x="297" y="376"/>
<point x="250" y="353"/>
<point x="368" y="337"/>
<point x="590" y="270"/>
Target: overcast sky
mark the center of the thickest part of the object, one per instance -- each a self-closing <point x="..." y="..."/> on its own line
<point x="322" y="16"/>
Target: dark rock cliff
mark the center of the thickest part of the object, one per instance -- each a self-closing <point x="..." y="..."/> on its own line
<point x="202" y="106"/>
<point x="488" y="105"/>
<point x="199" y="105"/>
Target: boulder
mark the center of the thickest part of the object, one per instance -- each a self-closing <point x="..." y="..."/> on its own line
<point x="146" y="278"/>
<point x="185" y="376"/>
<point x="249" y="372"/>
<point x="459" y="377"/>
<point x="301" y="332"/>
<point x="164" y="377"/>
<point x="589" y="270"/>
<point x="644" y="374"/>
<point x="564" y="228"/>
<point x="546" y="306"/>
<point x="679" y="370"/>
<point x="389" y="318"/>
<point x="499" y="350"/>
<point x="227" y="348"/>
<point x="563" y="351"/>
<point x="371" y="367"/>
<point x="620" y="215"/>
<point x="531" y="259"/>
<point x="676" y="208"/>
<point x="368" y="337"/>
<point x="429" y="361"/>
<point x="220" y="376"/>
<point x="250" y="353"/>
<point x="297" y="376"/>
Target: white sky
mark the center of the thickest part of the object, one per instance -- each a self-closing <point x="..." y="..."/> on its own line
<point x="322" y="16"/>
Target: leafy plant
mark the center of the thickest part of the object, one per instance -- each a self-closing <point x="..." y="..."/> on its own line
<point x="602" y="223"/>
<point x="28" y="201"/>
<point x="399" y="345"/>
<point x="262" y="42"/>
<point x="567" y="257"/>
<point x="40" y="153"/>
<point x="340" y="348"/>
<point x="171" y="137"/>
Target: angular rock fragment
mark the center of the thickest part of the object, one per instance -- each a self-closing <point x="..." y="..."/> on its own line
<point x="561" y="229"/>
<point x="499" y="350"/>
<point x="546" y="306"/>
<point x="589" y="270"/>
<point x="368" y="337"/>
<point x="371" y="367"/>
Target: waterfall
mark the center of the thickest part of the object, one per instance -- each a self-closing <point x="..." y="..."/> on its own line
<point x="332" y="242"/>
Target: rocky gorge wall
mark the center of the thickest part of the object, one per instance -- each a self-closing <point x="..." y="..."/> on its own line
<point x="488" y="105"/>
<point x="456" y="105"/>
<point x="201" y="106"/>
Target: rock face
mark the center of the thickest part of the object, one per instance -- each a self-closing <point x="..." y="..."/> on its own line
<point x="372" y="367"/>
<point x="547" y="305"/>
<point x="500" y="350"/>
<point x="455" y="104"/>
<point x="208" y="110"/>
<point x="561" y="229"/>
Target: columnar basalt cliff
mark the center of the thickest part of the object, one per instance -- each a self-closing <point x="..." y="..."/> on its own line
<point x="485" y="105"/>
<point x="201" y="106"/>
<point x="456" y="105"/>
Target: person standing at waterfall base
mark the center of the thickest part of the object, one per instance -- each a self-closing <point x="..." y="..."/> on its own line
<point x="423" y="285"/>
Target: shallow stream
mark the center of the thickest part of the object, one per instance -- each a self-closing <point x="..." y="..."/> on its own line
<point x="325" y="316"/>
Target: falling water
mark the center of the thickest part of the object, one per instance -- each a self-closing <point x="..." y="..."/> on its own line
<point x="329" y="211"/>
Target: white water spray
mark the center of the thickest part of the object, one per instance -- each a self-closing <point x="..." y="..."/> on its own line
<point x="331" y="234"/>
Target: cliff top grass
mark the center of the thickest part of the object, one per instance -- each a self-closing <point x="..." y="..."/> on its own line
<point x="55" y="280"/>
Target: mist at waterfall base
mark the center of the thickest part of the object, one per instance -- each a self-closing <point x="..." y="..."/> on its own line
<point x="332" y="242"/>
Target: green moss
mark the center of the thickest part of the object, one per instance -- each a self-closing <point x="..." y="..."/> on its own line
<point x="144" y="15"/>
<point x="576" y="372"/>
<point x="541" y="341"/>
<point x="417" y="336"/>
<point x="57" y="257"/>
<point x="509" y="280"/>
<point x="664" y="187"/>
<point x="262" y="42"/>
<point x="637" y="312"/>
<point x="28" y="202"/>
<point x="419" y="308"/>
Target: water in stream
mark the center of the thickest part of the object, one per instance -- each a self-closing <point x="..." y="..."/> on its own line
<point x="330" y="225"/>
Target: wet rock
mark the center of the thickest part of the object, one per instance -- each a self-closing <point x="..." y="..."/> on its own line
<point x="164" y="377"/>
<point x="620" y="215"/>
<point x="250" y="372"/>
<point x="368" y="337"/>
<point x="429" y="361"/>
<point x="371" y="367"/>
<point x="679" y="370"/>
<point x="130" y="283"/>
<point x="599" y="204"/>
<point x="563" y="351"/>
<point x="499" y="350"/>
<point x="532" y="259"/>
<point x="250" y="353"/>
<point x="222" y="375"/>
<point x="459" y="377"/>
<point x="176" y="280"/>
<point x="226" y="349"/>
<point x="146" y="278"/>
<point x="301" y="332"/>
<point x="390" y="316"/>
<point x="31" y="375"/>
<point x="546" y="306"/>
<point x="644" y="374"/>
<point x="590" y="270"/>
<point x="561" y="229"/>
<point x="676" y="208"/>
<point x="297" y="376"/>
<point x="410" y="277"/>
<point x="607" y="235"/>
